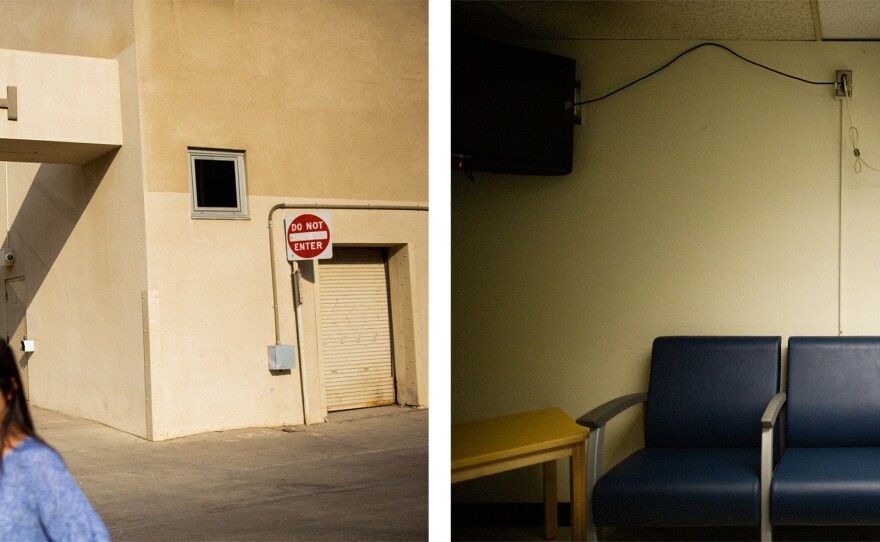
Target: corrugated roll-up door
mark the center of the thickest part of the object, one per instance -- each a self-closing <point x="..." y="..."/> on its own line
<point x="356" y="329"/>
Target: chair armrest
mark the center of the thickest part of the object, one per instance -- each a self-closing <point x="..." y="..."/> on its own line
<point x="774" y="407"/>
<point x="600" y="415"/>
<point x="768" y="422"/>
<point x="595" y="420"/>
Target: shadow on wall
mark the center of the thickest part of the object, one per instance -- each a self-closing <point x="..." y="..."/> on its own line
<point x="49" y="212"/>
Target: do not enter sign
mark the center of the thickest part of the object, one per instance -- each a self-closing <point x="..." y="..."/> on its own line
<point x="308" y="236"/>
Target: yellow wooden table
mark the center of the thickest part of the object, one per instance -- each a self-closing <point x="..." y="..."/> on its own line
<point x="485" y="447"/>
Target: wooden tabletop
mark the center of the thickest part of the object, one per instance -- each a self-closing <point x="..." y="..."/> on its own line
<point x="494" y="439"/>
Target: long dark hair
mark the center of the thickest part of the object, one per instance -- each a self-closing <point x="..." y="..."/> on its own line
<point x="17" y="419"/>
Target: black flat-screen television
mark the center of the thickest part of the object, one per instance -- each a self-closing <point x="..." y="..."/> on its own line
<point x="511" y="108"/>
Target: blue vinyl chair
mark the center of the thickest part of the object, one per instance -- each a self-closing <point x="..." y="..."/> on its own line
<point x="829" y="472"/>
<point x="702" y="460"/>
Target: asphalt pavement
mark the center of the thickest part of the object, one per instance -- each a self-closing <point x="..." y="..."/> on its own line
<point x="363" y="475"/>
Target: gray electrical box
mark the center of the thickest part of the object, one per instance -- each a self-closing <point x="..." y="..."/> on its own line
<point x="282" y="357"/>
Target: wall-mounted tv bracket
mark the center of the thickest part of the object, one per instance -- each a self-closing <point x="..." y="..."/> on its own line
<point x="843" y="84"/>
<point x="576" y="104"/>
<point x="10" y="103"/>
<point x="459" y="161"/>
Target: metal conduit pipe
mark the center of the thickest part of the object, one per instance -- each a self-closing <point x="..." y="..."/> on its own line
<point x="315" y="206"/>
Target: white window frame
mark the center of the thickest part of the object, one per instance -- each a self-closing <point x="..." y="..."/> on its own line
<point x="237" y="157"/>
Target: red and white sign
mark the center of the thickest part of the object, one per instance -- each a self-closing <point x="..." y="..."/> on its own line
<point x="308" y="236"/>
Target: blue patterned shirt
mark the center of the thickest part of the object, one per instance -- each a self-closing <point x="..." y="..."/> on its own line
<point x="40" y="500"/>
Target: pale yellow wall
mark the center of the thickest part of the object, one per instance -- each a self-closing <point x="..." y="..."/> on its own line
<point x="705" y="200"/>
<point x="860" y="250"/>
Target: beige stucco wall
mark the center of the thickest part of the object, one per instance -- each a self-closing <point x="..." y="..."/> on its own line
<point x="66" y="109"/>
<point x="78" y="231"/>
<point x="329" y="101"/>
<point x="217" y="317"/>
<point x="705" y="200"/>
<point x="78" y="235"/>
<point x="158" y="324"/>
<point x="91" y="28"/>
<point x="328" y="98"/>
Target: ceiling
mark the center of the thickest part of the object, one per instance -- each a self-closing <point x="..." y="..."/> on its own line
<point x="777" y="20"/>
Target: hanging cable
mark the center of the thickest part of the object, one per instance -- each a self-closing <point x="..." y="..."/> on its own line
<point x="694" y="48"/>
<point x="854" y="133"/>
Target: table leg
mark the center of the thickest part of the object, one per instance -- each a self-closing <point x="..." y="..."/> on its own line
<point x="551" y="521"/>
<point x="578" y="467"/>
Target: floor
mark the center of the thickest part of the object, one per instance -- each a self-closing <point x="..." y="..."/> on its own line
<point x="363" y="475"/>
<point x="524" y="524"/>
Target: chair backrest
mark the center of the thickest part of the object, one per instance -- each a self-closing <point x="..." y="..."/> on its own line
<point x="708" y="392"/>
<point x="833" y="392"/>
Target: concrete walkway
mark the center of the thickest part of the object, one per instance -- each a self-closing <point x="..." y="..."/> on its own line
<point x="361" y="476"/>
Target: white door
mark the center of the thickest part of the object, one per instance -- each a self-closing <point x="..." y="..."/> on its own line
<point x="356" y="329"/>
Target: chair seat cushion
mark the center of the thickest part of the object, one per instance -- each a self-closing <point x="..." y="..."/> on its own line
<point x="826" y="486"/>
<point x="681" y="487"/>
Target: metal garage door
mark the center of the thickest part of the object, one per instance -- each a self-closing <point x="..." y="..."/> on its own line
<point x="356" y="329"/>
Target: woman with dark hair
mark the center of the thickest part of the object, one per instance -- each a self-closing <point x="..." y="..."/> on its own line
<point x="39" y="499"/>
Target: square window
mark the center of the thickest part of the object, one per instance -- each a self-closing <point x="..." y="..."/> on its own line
<point x="217" y="184"/>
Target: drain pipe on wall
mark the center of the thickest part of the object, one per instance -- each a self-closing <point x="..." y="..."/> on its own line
<point x="296" y="286"/>
<point x="295" y="277"/>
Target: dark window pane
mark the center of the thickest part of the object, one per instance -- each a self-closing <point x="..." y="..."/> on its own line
<point x="215" y="183"/>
